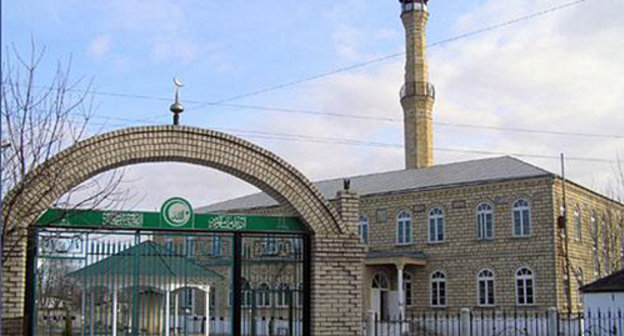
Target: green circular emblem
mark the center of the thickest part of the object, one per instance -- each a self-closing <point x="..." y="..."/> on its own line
<point x="176" y="212"/>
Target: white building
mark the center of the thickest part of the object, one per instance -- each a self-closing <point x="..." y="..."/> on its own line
<point x="605" y="295"/>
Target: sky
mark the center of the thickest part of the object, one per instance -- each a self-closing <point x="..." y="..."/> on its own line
<point x="560" y="71"/>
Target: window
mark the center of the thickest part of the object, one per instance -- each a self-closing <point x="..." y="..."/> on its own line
<point x="521" y="218"/>
<point x="363" y="229"/>
<point x="283" y="295"/>
<point x="524" y="287"/>
<point x="299" y="295"/>
<point x="606" y="257"/>
<point x="579" y="283"/>
<point x="485" y="287"/>
<point x="594" y="233"/>
<point x="380" y="282"/>
<point x="169" y="244"/>
<point x="247" y="293"/>
<point x="485" y="221"/>
<point x="436" y="225"/>
<point x="578" y="223"/>
<point x="188" y="296"/>
<point x="407" y="288"/>
<point x="263" y="296"/>
<point x="404" y="228"/>
<point x="270" y="246"/>
<point x="190" y="246"/>
<point x="296" y="244"/>
<point x="438" y="289"/>
<point x="213" y="297"/>
<point x="621" y="242"/>
<point x="216" y="246"/>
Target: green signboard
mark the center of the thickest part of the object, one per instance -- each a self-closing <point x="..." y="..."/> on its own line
<point x="176" y="214"/>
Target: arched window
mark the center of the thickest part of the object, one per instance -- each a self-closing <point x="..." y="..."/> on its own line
<point x="283" y="295"/>
<point x="606" y="257"/>
<point x="521" y="218"/>
<point x="621" y="241"/>
<point x="485" y="287"/>
<point x="270" y="245"/>
<point x="263" y="296"/>
<point x="436" y="225"/>
<point x="407" y="288"/>
<point x="404" y="228"/>
<point x="216" y="246"/>
<point x="247" y="293"/>
<point x="380" y="282"/>
<point x="299" y="294"/>
<point x="525" y="287"/>
<point x="363" y="229"/>
<point x="578" y="223"/>
<point x="485" y="221"/>
<point x="438" y="289"/>
<point x="594" y="233"/>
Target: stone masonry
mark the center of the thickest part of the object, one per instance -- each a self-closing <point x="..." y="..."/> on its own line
<point x="337" y="253"/>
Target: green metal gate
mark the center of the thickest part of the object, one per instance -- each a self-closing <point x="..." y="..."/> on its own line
<point x="94" y="279"/>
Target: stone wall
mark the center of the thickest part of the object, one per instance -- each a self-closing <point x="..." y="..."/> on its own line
<point x="338" y="256"/>
<point x="462" y="255"/>
<point x="609" y="256"/>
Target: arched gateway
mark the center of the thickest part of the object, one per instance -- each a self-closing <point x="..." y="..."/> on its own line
<point x="336" y="254"/>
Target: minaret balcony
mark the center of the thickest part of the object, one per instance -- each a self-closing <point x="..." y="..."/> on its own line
<point x="422" y="89"/>
<point x="414" y="5"/>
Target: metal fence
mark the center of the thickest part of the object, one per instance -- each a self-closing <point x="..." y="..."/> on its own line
<point x="497" y="323"/>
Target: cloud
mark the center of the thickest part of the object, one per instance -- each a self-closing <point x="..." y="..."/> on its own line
<point x="100" y="47"/>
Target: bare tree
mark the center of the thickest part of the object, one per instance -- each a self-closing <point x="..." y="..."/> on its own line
<point x="41" y="117"/>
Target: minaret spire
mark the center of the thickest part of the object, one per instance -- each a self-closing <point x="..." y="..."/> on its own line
<point x="417" y="94"/>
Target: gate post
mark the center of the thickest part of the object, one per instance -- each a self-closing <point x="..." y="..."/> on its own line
<point x="236" y="285"/>
<point x="370" y="323"/>
<point x="465" y="321"/>
<point x="552" y="321"/>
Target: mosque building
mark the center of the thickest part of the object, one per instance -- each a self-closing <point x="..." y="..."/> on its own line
<point x="485" y="234"/>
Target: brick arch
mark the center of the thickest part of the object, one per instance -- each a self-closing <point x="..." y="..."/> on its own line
<point x="203" y="147"/>
<point x="336" y="251"/>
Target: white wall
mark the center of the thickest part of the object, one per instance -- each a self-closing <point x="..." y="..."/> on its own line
<point x="612" y="301"/>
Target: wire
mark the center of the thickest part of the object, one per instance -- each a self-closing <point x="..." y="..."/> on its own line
<point x="355" y="142"/>
<point x="395" y="55"/>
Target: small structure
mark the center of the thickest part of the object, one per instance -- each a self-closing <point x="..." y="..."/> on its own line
<point x="604" y="295"/>
<point x="157" y="272"/>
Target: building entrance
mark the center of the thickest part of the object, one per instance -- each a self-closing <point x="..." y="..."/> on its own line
<point x="168" y="273"/>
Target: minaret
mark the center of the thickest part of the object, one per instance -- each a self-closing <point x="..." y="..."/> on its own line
<point x="417" y="94"/>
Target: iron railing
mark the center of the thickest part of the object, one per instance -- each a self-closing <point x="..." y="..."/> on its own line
<point x="497" y="323"/>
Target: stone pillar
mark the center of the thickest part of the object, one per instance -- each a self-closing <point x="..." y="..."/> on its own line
<point x="552" y="321"/>
<point x="370" y="323"/>
<point x="401" y="293"/>
<point x="336" y="302"/>
<point x="465" y="321"/>
<point x="348" y="207"/>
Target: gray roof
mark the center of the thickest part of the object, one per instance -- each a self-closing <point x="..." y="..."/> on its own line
<point x="460" y="173"/>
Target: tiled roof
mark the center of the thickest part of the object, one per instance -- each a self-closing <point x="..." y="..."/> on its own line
<point x="610" y="283"/>
<point x="467" y="172"/>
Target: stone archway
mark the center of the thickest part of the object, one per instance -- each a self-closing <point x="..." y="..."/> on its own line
<point x="336" y="252"/>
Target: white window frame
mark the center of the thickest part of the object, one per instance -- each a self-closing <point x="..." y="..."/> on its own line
<point x="595" y="241"/>
<point x="247" y="297"/>
<point x="490" y="282"/>
<point x="606" y="256"/>
<point x="482" y="214"/>
<point x="216" y="246"/>
<point x="436" y="217"/>
<point x="434" y="284"/>
<point x="578" y="222"/>
<point x="271" y="246"/>
<point x="169" y="243"/>
<point x="380" y="281"/>
<point x="281" y="295"/>
<point x="404" y="223"/>
<point x="515" y="208"/>
<point x="263" y="293"/>
<point x="189" y="246"/>
<point x="407" y="280"/>
<point x="363" y="228"/>
<point x="525" y="278"/>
